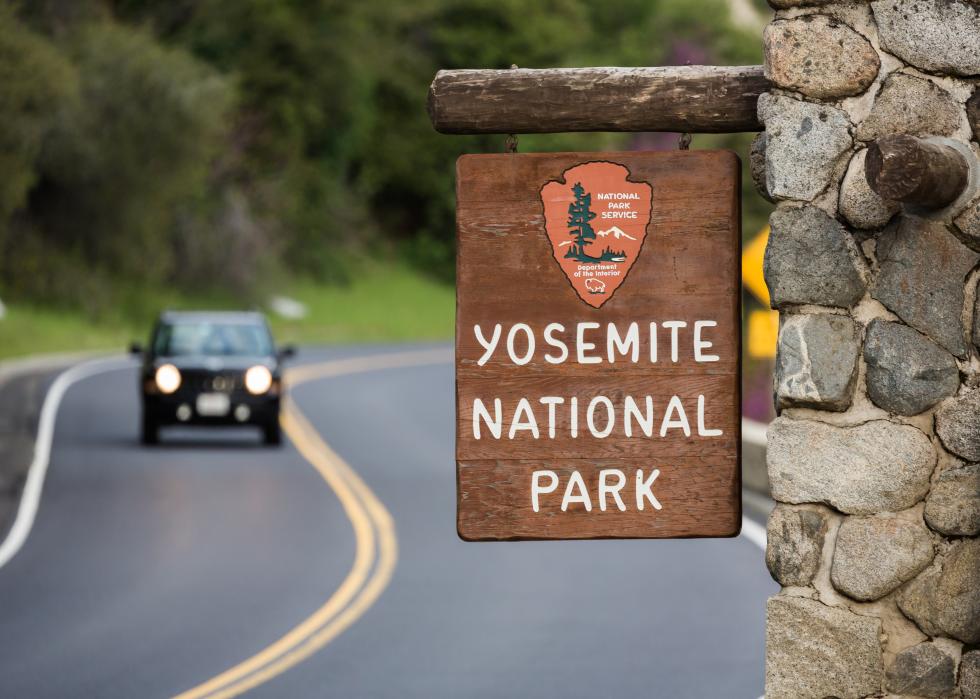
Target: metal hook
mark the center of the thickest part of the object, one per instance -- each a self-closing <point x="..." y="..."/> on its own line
<point x="510" y="143"/>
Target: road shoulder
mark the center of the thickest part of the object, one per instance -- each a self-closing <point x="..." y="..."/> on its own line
<point x="23" y="386"/>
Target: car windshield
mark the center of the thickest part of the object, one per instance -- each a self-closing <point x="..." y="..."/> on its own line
<point x="195" y="337"/>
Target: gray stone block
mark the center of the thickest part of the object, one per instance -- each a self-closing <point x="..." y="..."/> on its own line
<point x="907" y="372"/>
<point x="940" y="35"/>
<point x="812" y="259"/>
<point x="923" y="670"/>
<point x="816" y="361"/>
<point x="819" y="57"/>
<point x="878" y="466"/>
<point x="874" y="555"/>
<point x="858" y="203"/>
<point x="794" y="541"/>
<point x="923" y="270"/>
<point x="944" y="600"/>
<point x="804" y="142"/>
<point x="814" y="651"/>
<point x="787" y="4"/>
<point x="958" y="425"/>
<point x="973" y="113"/>
<point x="953" y="504"/>
<point x="966" y="225"/>
<point x="970" y="675"/>
<point x="757" y="164"/>
<point x="910" y="105"/>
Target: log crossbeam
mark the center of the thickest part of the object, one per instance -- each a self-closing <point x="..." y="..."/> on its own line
<point x="694" y="99"/>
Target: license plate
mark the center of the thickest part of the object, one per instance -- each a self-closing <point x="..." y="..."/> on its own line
<point x="213" y="404"/>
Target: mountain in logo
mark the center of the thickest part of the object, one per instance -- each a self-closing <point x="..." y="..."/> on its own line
<point x="616" y="232"/>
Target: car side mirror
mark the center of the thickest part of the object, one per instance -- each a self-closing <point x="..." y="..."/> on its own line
<point x="135" y="348"/>
<point x="286" y="352"/>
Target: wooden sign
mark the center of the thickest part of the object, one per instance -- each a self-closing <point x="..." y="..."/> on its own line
<point x="597" y="345"/>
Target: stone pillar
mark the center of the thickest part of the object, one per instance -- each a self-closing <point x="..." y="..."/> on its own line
<point x="874" y="460"/>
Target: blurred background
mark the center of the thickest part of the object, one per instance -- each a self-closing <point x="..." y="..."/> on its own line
<point x="276" y="154"/>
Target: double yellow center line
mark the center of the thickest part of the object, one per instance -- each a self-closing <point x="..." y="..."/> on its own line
<point x="376" y="552"/>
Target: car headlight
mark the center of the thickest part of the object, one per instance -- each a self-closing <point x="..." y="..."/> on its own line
<point x="167" y="378"/>
<point x="258" y="380"/>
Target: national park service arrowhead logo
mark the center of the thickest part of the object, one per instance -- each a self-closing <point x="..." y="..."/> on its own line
<point x="596" y="220"/>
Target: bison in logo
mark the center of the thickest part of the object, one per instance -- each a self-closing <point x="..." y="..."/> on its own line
<point x="595" y="286"/>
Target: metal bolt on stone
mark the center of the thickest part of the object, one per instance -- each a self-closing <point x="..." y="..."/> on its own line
<point x="915" y="171"/>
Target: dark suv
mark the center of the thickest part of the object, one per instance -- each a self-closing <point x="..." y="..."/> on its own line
<point x="211" y="368"/>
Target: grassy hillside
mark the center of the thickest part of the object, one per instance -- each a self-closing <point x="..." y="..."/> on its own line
<point x="382" y="302"/>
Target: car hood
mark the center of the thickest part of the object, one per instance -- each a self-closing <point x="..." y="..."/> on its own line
<point x="208" y="363"/>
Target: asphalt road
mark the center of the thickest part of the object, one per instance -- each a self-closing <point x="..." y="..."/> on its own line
<point x="151" y="570"/>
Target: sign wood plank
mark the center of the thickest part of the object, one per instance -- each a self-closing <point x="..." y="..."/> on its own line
<point x="598" y="345"/>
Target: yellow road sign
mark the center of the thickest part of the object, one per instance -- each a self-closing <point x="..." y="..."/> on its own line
<point x="763" y="332"/>
<point x="764" y="323"/>
<point x="752" y="257"/>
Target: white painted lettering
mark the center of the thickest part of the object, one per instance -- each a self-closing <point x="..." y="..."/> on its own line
<point x="480" y="411"/>
<point x="537" y="489"/>
<point x="675" y="406"/>
<point x="701" y="345"/>
<point x="606" y="489"/>
<point x="488" y="346"/>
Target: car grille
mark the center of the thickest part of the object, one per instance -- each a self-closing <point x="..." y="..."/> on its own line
<point x="215" y="382"/>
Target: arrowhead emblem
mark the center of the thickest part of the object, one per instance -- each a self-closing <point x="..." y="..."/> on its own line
<point x="596" y="220"/>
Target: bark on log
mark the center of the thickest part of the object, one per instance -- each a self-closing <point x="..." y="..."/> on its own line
<point x="695" y="99"/>
<point x="910" y="170"/>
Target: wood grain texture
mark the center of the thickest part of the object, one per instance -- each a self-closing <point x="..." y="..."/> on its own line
<point x="696" y="99"/>
<point x="688" y="269"/>
<point x="914" y="171"/>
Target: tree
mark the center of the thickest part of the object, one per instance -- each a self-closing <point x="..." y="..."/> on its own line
<point x="579" y="214"/>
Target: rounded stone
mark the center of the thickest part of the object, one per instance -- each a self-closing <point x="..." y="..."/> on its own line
<point x="813" y="650"/>
<point x="922" y="270"/>
<point x="953" y="504"/>
<point x="804" y="142"/>
<point x="924" y="670"/>
<point x="939" y="35"/>
<point x="874" y="555"/>
<point x="973" y="113"/>
<point x="878" y="466"/>
<point x="812" y="259"/>
<point x="944" y="600"/>
<point x="958" y="425"/>
<point x="794" y="541"/>
<point x="757" y="164"/>
<point x="859" y="204"/>
<point x="976" y="321"/>
<point x="970" y="675"/>
<point x="787" y="4"/>
<point x="907" y="372"/>
<point x="817" y="361"/>
<point x="818" y="57"/>
<point x="966" y="225"/>
<point x="910" y="105"/>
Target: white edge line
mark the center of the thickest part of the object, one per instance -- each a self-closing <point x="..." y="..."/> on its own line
<point x="754" y="532"/>
<point x="30" y="498"/>
<point x="754" y="432"/>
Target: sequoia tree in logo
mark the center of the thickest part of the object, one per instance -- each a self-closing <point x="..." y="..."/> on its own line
<point x="596" y="220"/>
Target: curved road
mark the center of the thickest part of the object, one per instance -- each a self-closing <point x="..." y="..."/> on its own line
<point x="148" y="572"/>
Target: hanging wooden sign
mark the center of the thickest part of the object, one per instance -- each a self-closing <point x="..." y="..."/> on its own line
<point x="597" y="345"/>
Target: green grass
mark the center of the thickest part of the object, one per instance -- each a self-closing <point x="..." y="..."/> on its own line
<point x="384" y="302"/>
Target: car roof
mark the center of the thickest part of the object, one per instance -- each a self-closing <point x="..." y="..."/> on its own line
<point x="213" y="316"/>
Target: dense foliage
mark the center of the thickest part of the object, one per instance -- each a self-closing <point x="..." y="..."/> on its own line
<point x="207" y="143"/>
